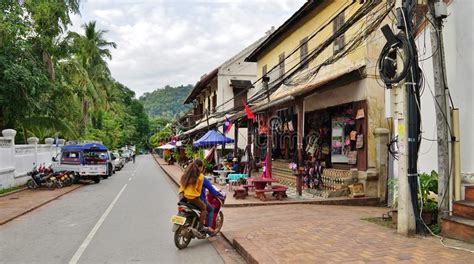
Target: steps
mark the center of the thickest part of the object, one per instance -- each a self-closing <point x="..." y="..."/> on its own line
<point x="461" y="224"/>
<point x="464" y="209"/>
<point x="469" y="193"/>
<point x="282" y="173"/>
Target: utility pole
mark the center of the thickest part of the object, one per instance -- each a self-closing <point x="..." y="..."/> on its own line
<point x="406" y="217"/>
<point x="442" y="112"/>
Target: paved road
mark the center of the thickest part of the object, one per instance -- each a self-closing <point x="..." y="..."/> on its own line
<point x="122" y="219"/>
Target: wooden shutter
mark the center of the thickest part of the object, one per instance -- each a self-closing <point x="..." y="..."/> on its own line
<point x="362" y="123"/>
<point x="304" y="52"/>
<point x="281" y="63"/>
<point x="239" y="96"/>
<point x="337" y="24"/>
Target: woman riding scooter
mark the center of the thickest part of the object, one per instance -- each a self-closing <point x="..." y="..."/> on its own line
<point x="188" y="190"/>
<point x="191" y="188"/>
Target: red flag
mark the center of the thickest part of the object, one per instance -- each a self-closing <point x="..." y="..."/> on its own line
<point x="250" y="115"/>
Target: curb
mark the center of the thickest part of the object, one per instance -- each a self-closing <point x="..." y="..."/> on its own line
<point x="15" y="191"/>
<point x="244" y="253"/>
<point x="37" y="206"/>
<point x="370" y="201"/>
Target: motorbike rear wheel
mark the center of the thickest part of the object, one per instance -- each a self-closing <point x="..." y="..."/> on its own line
<point x="51" y="184"/>
<point x="182" y="237"/>
<point x="219" y="223"/>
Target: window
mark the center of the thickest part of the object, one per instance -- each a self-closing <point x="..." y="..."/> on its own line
<point x="304" y="52"/>
<point x="208" y="104"/>
<point x="214" y="102"/>
<point x="239" y="96"/>
<point x="340" y="41"/>
<point x="281" y="64"/>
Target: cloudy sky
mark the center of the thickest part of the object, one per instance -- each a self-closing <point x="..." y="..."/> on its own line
<point x="174" y="42"/>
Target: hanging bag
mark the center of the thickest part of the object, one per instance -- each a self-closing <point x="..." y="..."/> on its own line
<point x="353" y="135"/>
<point x="360" y="114"/>
<point x="352" y="156"/>
<point x="360" y="139"/>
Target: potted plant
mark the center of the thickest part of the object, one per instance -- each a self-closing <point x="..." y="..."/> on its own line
<point x="429" y="196"/>
<point x="393" y="186"/>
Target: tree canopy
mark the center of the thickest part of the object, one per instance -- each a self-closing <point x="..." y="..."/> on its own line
<point x="166" y="101"/>
<point x="55" y="82"/>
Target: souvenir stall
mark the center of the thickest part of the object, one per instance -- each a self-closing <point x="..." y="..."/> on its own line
<point x="284" y="137"/>
<point x="335" y="147"/>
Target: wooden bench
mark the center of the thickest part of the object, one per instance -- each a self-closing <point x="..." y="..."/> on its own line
<point x="240" y="193"/>
<point x="247" y="187"/>
<point x="278" y="191"/>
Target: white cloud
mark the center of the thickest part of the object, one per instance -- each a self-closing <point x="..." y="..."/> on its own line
<point x="175" y="42"/>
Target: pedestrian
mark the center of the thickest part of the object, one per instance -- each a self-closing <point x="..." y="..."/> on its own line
<point x="133" y="157"/>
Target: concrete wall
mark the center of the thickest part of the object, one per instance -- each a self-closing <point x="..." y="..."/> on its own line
<point x="458" y="39"/>
<point x="236" y="69"/>
<point x="17" y="160"/>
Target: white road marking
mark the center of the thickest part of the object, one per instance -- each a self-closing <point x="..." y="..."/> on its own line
<point x="91" y="235"/>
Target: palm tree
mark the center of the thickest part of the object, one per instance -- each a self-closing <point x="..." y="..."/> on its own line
<point x="91" y="51"/>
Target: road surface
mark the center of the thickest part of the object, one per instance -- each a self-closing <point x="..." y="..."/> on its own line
<point x="124" y="219"/>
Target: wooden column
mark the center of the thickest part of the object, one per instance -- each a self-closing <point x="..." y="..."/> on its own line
<point x="300" y="135"/>
<point x="236" y="139"/>
<point x="249" y="147"/>
<point x="269" y="145"/>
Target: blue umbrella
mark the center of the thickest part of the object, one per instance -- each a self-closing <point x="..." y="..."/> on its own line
<point x="211" y="138"/>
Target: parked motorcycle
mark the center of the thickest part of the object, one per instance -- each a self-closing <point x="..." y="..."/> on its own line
<point x="185" y="163"/>
<point x="186" y="222"/>
<point x="64" y="178"/>
<point x="39" y="178"/>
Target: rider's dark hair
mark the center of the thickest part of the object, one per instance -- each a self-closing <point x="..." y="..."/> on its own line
<point x="191" y="173"/>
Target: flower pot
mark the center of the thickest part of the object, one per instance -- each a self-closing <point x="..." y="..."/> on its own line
<point x="428" y="215"/>
<point x="394" y="216"/>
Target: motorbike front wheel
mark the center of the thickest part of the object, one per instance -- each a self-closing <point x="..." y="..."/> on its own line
<point x="182" y="237"/>
<point x="31" y="184"/>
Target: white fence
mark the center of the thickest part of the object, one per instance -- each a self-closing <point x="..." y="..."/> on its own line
<point x="17" y="160"/>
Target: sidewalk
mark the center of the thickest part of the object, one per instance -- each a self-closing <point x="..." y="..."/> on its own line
<point x="327" y="234"/>
<point x="312" y="233"/>
<point x="20" y="203"/>
<point x="174" y="172"/>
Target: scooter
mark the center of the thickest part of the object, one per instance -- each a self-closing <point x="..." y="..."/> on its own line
<point x="186" y="222"/>
<point x="41" y="179"/>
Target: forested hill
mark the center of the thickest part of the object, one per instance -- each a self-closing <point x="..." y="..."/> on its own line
<point x="167" y="101"/>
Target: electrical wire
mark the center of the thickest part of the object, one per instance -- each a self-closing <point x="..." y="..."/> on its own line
<point x="276" y="67"/>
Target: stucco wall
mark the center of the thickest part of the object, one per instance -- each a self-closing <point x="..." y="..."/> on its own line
<point x="458" y="39"/>
<point x="234" y="70"/>
<point x="17" y="160"/>
<point x="320" y="16"/>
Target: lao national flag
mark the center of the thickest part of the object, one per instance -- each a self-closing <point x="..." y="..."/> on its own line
<point x="227" y="125"/>
<point x="265" y="172"/>
<point x="249" y="112"/>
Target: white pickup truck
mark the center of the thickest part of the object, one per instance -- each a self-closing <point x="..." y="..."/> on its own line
<point x="89" y="161"/>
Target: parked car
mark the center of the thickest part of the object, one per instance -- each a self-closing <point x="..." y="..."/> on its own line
<point x="117" y="160"/>
<point x="127" y="155"/>
<point x="88" y="161"/>
<point x="110" y="164"/>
